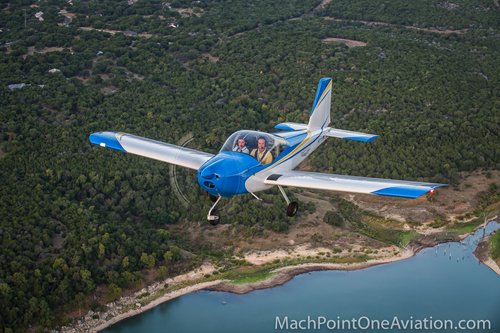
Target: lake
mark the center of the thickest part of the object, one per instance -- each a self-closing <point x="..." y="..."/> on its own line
<point x="443" y="283"/>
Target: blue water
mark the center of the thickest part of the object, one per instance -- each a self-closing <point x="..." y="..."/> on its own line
<point x="444" y="282"/>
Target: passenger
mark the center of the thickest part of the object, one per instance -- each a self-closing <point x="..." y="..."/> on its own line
<point x="262" y="154"/>
<point x="241" y="146"/>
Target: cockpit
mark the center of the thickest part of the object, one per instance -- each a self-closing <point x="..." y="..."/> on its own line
<point x="262" y="146"/>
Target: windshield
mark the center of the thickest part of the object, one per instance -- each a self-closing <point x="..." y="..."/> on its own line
<point x="262" y="146"/>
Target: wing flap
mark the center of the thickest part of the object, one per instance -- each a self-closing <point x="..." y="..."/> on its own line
<point x="332" y="182"/>
<point x="157" y="150"/>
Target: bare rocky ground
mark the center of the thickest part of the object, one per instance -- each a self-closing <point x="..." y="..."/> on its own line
<point x="348" y="42"/>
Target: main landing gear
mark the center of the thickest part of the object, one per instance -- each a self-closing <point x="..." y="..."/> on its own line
<point x="292" y="207"/>
<point x="213" y="216"/>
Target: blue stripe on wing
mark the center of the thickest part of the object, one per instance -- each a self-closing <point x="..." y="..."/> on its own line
<point x="403" y="192"/>
<point x="107" y="140"/>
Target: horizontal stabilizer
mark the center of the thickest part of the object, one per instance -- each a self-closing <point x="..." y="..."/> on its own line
<point x="157" y="150"/>
<point x="291" y="126"/>
<point x="332" y="182"/>
<point x="350" y="135"/>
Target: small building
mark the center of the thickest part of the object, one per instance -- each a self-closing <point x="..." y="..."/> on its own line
<point x="39" y="16"/>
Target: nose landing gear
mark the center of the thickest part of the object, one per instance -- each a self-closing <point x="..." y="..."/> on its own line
<point x="213" y="216"/>
<point x="292" y="207"/>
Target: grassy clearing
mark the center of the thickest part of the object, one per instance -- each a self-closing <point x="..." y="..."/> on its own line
<point x="406" y="236"/>
<point x="252" y="274"/>
<point x="369" y="224"/>
<point x="253" y="277"/>
<point x="248" y="274"/>
<point x="372" y="227"/>
<point x="464" y="228"/>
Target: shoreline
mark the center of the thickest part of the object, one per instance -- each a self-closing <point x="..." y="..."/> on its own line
<point x="283" y="275"/>
<point x="280" y="277"/>
<point x="162" y="299"/>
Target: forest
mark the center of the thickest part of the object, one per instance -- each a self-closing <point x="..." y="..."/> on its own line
<point x="78" y="221"/>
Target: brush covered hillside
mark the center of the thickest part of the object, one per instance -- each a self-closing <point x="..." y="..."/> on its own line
<point x="79" y="224"/>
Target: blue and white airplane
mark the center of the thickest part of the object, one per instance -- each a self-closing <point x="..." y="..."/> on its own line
<point x="252" y="161"/>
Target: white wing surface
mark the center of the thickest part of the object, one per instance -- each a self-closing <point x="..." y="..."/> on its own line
<point x="332" y="182"/>
<point x="157" y="150"/>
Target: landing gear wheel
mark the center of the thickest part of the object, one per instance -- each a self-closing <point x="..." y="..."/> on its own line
<point x="292" y="208"/>
<point x="214" y="217"/>
<point x="213" y="198"/>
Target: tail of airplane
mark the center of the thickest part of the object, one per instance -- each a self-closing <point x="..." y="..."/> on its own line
<point x="320" y="116"/>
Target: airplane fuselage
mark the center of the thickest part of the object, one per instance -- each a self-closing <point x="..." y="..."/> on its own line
<point x="229" y="173"/>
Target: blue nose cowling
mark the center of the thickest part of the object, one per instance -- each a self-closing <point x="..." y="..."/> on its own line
<point x="207" y="173"/>
<point x="226" y="173"/>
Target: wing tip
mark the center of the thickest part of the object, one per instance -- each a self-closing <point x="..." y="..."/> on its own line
<point x="402" y="192"/>
<point x="106" y="140"/>
<point x="408" y="192"/>
<point x="362" y="138"/>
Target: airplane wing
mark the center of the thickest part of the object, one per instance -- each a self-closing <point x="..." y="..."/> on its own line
<point x="157" y="150"/>
<point x="332" y="182"/>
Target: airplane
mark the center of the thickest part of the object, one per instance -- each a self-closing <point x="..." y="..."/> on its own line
<point x="252" y="161"/>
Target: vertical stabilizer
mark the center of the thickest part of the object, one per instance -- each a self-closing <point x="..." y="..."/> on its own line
<point x="320" y="116"/>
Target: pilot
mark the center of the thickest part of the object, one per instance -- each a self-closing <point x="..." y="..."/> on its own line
<point x="241" y="146"/>
<point x="262" y="154"/>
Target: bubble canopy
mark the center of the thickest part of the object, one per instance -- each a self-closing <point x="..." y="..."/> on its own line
<point x="240" y="140"/>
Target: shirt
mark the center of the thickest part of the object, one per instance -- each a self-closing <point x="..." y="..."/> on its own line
<point x="241" y="150"/>
<point x="265" y="157"/>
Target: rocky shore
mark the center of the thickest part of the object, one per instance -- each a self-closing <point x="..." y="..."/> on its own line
<point x="131" y="306"/>
<point x="482" y="253"/>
